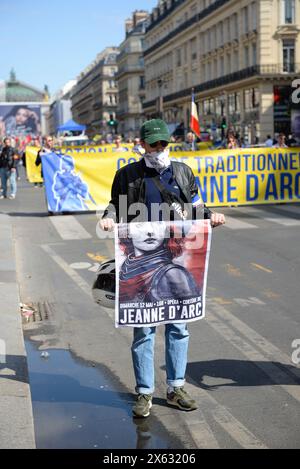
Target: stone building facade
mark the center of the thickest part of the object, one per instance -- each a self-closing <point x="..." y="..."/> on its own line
<point x="130" y="77"/>
<point x="240" y="57"/>
<point x="95" y="97"/>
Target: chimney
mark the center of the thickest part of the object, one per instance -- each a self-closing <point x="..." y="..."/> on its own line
<point x="138" y="16"/>
<point x="128" y="25"/>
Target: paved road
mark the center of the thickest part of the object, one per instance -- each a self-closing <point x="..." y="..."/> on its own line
<point x="240" y="361"/>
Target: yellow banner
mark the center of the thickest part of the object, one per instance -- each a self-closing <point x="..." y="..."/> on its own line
<point x="225" y="177"/>
<point x="33" y="171"/>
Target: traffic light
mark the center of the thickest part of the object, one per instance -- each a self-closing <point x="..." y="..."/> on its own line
<point x="112" y="121"/>
<point x="224" y="124"/>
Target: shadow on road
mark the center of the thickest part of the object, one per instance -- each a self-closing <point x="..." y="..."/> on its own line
<point x="14" y="368"/>
<point x="241" y="373"/>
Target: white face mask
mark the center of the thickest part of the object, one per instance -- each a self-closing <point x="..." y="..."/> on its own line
<point x="158" y="160"/>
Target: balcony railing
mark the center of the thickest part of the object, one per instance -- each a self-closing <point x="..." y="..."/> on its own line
<point x="260" y="70"/>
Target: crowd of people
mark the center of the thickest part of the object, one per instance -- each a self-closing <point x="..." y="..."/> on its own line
<point x="233" y="141"/>
<point x="12" y="150"/>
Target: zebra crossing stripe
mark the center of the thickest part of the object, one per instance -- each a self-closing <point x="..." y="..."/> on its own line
<point x="68" y="228"/>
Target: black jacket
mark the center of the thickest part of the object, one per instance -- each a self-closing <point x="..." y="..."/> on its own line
<point x="7" y="158"/>
<point x="130" y="181"/>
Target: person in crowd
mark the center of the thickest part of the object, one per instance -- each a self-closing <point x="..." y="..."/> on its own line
<point x="232" y="142"/>
<point x="118" y="147"/>
<point x="269" y="141"/>
<point x="152" y="180"/>
<point x="48" y="147"/>
<point x="190" y="142"/>
<point x="243" y="143"/>
<point x="8" y="159"/>
<point x="281" y="141"/>
<point x="137" y="147"/>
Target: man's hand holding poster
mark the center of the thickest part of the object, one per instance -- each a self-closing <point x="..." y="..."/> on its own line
<point x="161" y="272"/>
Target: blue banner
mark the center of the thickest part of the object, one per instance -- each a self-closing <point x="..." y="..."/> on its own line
<point x="66" y="191"/>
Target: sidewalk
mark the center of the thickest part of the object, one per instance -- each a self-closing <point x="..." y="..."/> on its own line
<point x="16" y="422"/>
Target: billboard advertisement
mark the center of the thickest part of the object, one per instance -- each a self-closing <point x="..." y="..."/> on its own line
<point x="20" y="119"/>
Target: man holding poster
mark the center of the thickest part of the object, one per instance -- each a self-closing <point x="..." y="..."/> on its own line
<point x="157" y="190"/>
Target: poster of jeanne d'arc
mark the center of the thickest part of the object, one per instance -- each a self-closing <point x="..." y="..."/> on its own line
<point x="161" y="272"/>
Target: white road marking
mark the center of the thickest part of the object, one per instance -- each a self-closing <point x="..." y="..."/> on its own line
<point x="237" y="224"/>
<point x="284" y="221"/>
<point x="203" y="434"/>
<point x="68" y="270"/>
<point x="292" y="208"/>
<point x="81" y="265"/>
<point x="69" y="228"/>
<point x="264" y="214"/>
<point x="263" y="361"/>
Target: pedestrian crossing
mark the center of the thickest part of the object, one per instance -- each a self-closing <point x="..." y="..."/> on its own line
<point x="69" y="228"/>
<point x="83" y="227"/>
<point x="241" y="218"/>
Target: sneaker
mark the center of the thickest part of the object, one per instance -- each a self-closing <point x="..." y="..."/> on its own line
<point x="181" y="399"/>
<point x="1" y="196"/>
<point x="142" y="406"/>
<point x="12" y="196"/>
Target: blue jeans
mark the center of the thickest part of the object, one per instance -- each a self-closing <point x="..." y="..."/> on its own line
<point x="176" y="348"/>
<point x="13" y="182"/>
<point x="5" y="175"/>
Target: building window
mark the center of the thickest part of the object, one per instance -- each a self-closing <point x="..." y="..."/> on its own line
<point x="288" y="46"/>
<point x="142" y="83"/>
<point x="246" y="52"/>
<point x="235" y="29"/>
<point x="254" y="52"/>
<point x="251" y="99"/>
<point x="209" y="70"/>
<point x="246" y="20"/>
<point x="235" y="61"/>
<point x="222" y="71"/>
<point x="227" y="30"/>
<point x="193" y="44"/>
<point x="221" y="34"/>
<point x="185" y="53"/>
<point x="215" y="68"/>
<point x="193" y="10"/>
<point x="254" y="16"/>
<point x="288" y="11"/>
<point x="178" y="57"/>
<point x="228" y="60"/>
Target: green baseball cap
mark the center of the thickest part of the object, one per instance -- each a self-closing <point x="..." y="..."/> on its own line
<point x="155" y="130"/>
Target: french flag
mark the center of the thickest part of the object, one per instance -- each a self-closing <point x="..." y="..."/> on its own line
<point x="194" y="124"/>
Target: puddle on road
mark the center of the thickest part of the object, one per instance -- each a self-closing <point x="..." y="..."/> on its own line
<point x="76" y="405"/>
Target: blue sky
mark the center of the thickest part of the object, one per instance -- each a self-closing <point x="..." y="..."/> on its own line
<point x="52" y="41"/>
